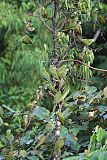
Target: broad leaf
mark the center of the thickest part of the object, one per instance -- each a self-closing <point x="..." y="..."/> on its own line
<point x="40" y="112"/>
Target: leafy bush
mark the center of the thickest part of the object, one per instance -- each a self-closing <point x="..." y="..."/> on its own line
<point x="57" y="120"/>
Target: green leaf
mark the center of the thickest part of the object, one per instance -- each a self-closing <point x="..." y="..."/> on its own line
<point x="75" y="131"/>
<point x="42" y="139"/>
<point x="67" y="4"/>
<point x="8" y="108"/>
<point x="51" y="87"/>
<point x="102" y="108"/>
<point x="60" y="143"/>
<point x="92" y="143"/>
<point x="39" y="154"/>
<point x="67" y="112"/>
<point x="1" y="111"/>
<point x="62" y="71"/>
<point x="46" y="75"/>
<point x="97" y="155"/>
<point x="1" y="121"/>
<point x="100" y="135"/>
<point x="33" y="158"/>
<point x="74" y="158"/>
<point x="64" y="131"/>
<point x="105" y="92"/>
<point x="90" y="90"/>
<point x="40" y="112"/>
<point x="25" y="138"/>
<point x="23" y="153"/>
<point x="50" y="125"/>
<point x="61" y="117"/>
<point x="53" y="71"/>
<point x="9" y="136"/>
<point x="66" y="154"/>
<point x="101" y="156"/>
<point x="26" y="39"/>
<point x="87" y="42"/>
<point x="58" y="97"/>
<point x="1" y="144"/>
<point x="72" y="142"/>
<point x="66" y="90"/>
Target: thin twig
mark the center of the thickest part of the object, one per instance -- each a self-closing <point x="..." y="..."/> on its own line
<point x="62" y="25"/>
<point x="30" y="116"/>
<point x="97" y="35"/>
<point x="44" y="23"/>
<point x="31" y="111"/>
<point x="78" y="61"/>
<point x="54" y="32"/>
<point x="65" y="54"/>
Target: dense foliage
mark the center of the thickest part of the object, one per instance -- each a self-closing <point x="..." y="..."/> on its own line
<point x="52" y="105"/>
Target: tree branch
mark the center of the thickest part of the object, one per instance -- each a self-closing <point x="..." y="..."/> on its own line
<point x="78" y="61"/>
<point x="54" y="30"/>
<point x="40" y="96"/>
<point x="97" y="35"/>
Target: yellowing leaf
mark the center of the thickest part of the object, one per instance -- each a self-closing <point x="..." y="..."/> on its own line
<point x="26" y="39"/>
<point x="82" y="97"/>
<point x="61" y="117"/>
<point x="42" y="139"/>
<point x="60" y="143"/>
<point x="102" y="19"/>
<point x="23" y="153"/>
